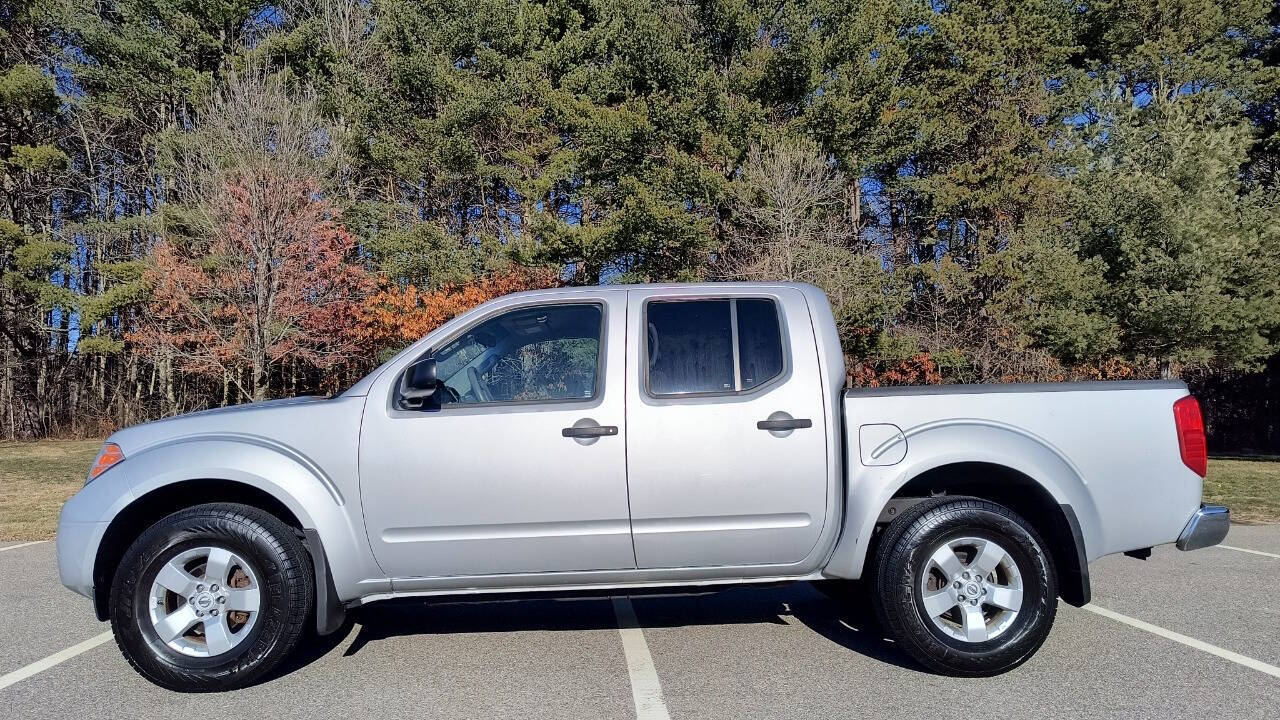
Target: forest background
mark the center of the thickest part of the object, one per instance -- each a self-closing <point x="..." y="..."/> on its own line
<point x="209" y="202"/>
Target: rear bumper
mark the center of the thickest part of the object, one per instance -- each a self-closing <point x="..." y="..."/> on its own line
<point x="1207" y="527"/>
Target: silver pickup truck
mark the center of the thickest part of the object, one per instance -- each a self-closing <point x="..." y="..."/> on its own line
<point x="625" y="437"/>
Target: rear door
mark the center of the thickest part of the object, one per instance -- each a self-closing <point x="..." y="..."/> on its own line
<point x="726" y="450"/>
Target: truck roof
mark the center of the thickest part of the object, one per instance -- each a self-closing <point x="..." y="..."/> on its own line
<point x="683" y="285"/>
<point x="709" y="286"/>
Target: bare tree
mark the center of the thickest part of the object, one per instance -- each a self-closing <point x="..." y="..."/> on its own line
<point x="791" y="222"/>
<point x="789" y="203"/>
<point x="255" y="121"/>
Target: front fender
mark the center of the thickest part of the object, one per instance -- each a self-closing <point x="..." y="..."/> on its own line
<point x="947" y="442"/>
<point x="288" y="476"/>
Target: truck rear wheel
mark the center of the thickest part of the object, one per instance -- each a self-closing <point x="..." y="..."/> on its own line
<point x="211" y="597"/>
<point x="964" y="586"/>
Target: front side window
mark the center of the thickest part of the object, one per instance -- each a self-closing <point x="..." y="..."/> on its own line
<point x="544" y="353"/>
<point x="712" y="346"/>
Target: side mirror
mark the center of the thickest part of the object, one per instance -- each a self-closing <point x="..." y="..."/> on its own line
<point x="422" y="375"/>
<point x="419" y="383"/>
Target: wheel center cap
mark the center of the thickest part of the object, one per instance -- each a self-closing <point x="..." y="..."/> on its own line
<point x="971" y="589"/>
<point x="204" y="601"/>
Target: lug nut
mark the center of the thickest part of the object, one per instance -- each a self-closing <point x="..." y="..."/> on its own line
<point x="199" y="613"/>
<point x="961" y="597"/>
<point x="966" y="574"/>
<point x="213" y="588"/>
<point x="222" y="599"/>
<point x="199" y="588"/>
<point x="958" y="584"/>
<point x="214" y="612"/>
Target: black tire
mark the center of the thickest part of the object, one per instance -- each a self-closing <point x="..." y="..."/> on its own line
<point x="287" y="594"/>
<point x="902" y="557"/>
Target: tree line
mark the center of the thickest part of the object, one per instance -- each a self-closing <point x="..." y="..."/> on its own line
<point x="226" y="201"/>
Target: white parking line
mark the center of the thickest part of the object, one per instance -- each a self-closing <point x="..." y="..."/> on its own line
<point x="1191" y="642"/>
<point x="57" y="658"/>
<point x="20" y="545"/>
<point x="1254" y="552"/>
<point x="646" y="691"/>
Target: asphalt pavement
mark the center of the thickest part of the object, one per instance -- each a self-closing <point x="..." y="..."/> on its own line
<point x="1206" y="642"/>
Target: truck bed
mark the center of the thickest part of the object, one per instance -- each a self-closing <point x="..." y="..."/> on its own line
<point x="1109" y="449"/>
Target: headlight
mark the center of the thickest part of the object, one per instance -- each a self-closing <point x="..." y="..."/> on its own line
<point x="108" y="456"/>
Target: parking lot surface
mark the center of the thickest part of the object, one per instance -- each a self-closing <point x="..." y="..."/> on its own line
<point x="779" y="652"/>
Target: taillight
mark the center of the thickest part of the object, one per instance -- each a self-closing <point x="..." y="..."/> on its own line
<point x="1191" y="442"/>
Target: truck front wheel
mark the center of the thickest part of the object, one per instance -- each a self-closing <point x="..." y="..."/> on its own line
<point x="211" y="597"/>
<point x="964" y="586"/>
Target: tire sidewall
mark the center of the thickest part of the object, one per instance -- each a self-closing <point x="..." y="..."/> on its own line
<point x="131" y="591"/>
<point x="901" y="604"/>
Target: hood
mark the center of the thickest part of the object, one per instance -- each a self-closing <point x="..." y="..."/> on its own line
<point x="264" y="419"/>
<point x="248" y="407"/>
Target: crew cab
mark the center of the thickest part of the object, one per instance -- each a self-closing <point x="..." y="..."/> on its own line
<point x="624" y="437"/>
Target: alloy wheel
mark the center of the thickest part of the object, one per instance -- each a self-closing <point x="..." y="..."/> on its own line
<point x="205" y="601"/>
<point x="971" y="589"/>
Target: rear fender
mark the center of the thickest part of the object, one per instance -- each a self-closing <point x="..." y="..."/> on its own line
<point x="947" y="442"/>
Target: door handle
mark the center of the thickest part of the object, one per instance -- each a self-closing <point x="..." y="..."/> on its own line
<point x="776" y="425"/>
<point x="591" y="431"/>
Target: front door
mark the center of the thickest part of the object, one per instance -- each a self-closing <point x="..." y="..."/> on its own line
<point x="726" y="436"/>
<point x="521" y="466"/>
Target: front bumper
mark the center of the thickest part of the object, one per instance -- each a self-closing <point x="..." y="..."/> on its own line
<point x="1206" y="528"/>
<point x="82" y="524"/>
<point x="77" y="549"/>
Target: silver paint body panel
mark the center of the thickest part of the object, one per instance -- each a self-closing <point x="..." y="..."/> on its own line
<point x="709" y="488"/>
<point x="1110" y="450"/>
<point x="495" y="490"/>
<point x="690" y="491"/>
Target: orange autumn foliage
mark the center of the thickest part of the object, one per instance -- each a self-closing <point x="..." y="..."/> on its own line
<point x="393" y="315"/>
<point x="273" y="281"/>
<point x="916" y="370"/>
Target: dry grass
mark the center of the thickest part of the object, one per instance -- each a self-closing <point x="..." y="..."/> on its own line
<point x="35" y="479"/>
<point x="1251" y="488"/>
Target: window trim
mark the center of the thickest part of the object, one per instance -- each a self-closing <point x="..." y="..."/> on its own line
<point x="783" y="338"/>
<point x="601" y="358"/>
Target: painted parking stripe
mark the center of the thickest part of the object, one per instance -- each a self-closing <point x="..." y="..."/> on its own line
<point x="1191" y="642"/>
<point x="22" y="545"/>
<point x="646" y="691"/>
<point x="1247" y="550"/>
<point x="57" y="658"/>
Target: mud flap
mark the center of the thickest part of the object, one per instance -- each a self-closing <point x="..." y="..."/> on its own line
<point x="330" y="612"/>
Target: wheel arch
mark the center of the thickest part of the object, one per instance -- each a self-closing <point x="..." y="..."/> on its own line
<point x="199" y="470"/>
<point x="1056" y="522"/>
<point x="985" y="460"/>
<point x="165" y="500"/>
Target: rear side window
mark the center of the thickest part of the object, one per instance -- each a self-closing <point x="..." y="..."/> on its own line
<point x="690" y="347"/>
<point x="712" y="346"/>
<point x="759" y="342"/>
